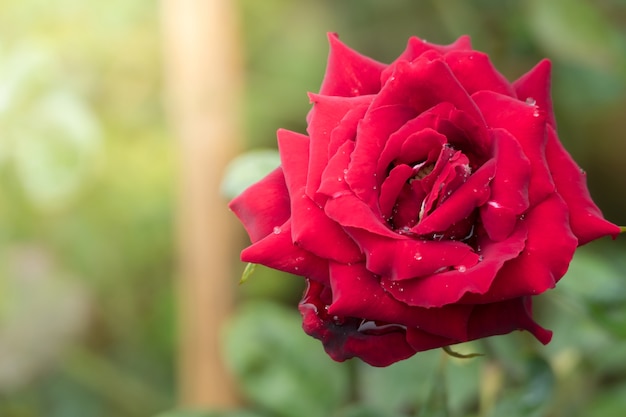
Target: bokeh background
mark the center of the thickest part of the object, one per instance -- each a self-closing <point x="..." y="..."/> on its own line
<point x="88" y="209"/>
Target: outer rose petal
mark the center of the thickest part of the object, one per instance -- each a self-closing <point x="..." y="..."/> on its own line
<point x="585" y="217"/>
<point x="342" y="340"/>
<point x="311" y="228"/>
<point x="505" y="317"/>
<point x="278" y="252"/>
<point x="528" y="125"/>
<point x="357" y="293"/>
<point x="327" y="114"/>
<point x="535" y="86"/>
<point x="475" y="72"/>
<point x="348" y="73"/>
<point x="263" y="206"/>
<point x="417" y="46"/>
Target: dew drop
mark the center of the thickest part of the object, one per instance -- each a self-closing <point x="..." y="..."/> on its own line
<point x="531" y="101"/>
<point x="462" y="268"/>
<point x="277" y="230"/>
<point x="494" y="204"/>
<point x="536" y="113"/>
<point x="345" y="171"/>
<point x="339" y="179"/>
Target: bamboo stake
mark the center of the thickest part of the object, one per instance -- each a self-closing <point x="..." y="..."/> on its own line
<point x="204" y="78"/>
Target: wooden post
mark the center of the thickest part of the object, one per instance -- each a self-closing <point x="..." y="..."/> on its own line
<point x="204" y="77"/>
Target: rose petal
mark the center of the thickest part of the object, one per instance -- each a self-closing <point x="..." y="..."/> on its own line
<point x="311" y="228"/>
<point x="278" y="252"/>
<point x="544" y="260"/>
<point x="424" y="83"/>
<point x="293" y="149"/>
<point x="326" y="115"/>
<point x="461" y="203"/>
<point x="585" y="217"/>
<point x="342" y="340"/>
<point x="357" y="293"/>
<point x="527" y="124"/>
<point x="346" y="130"/>
<point x="348" y="73"/>
<point x="350" y="211"/>
<point x="263" y="205"/>
<point x="509" y="188"/>
<point x="397" y="141"/>
<point x="421" y="340"/>
<point x="372" y="133"/>
<point x="505" y="317"/>
<point x="390" y="189"/>
<point x="449" y="287"/>
<point x="416" y="47"/>
<point x="534" y="86"/>
<point x="403" y="257"/>
<point x="421" y="146"/>
<point x="475" y="72"/>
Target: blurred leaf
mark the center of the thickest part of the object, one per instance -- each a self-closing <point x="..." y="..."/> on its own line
<point x="279" y="367"/>
<point x="592" y="277"/>
<point x="610" y="401"/>
<point x="410" y="386"/>
<point x="248" y="168"/>
<point x="358" y="411"/>
<point x="57" y="150"/>
<point x="188" y="413"/>
<point x="42" y="311"/>
<point x="531" y="398"/>
<point x="436" y="404"/>
<point x="46" y="127"/>
<point x="575" y="30"/>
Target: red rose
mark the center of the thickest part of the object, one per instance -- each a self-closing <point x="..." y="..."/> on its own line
<point x="430" y="200"/>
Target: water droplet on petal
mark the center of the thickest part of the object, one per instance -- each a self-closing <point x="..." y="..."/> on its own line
<point x="536" y="113"/>
<point x="462" y="268"/>
<point x="531" y="101"/>
<point x="277" y="230"/>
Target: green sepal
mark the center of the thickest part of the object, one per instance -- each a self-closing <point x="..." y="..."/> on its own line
<point x="249" y="270"/>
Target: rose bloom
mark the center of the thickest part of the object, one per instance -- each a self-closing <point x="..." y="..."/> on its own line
<point x="429" y="201"/>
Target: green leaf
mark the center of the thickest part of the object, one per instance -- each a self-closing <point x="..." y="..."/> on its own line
<point x="248" y="168"/>
<point x="575" y="30"/>
<point x="199" y="413"/>
<point x="359" y="411"/>
<point x="279" y="367"/>
<point x="593" y="278"/>
<point x="402" y="386"/>
<point x="532" y="397"/>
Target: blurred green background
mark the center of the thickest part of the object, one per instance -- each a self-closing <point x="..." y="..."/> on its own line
<point x="87" y="175"/>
